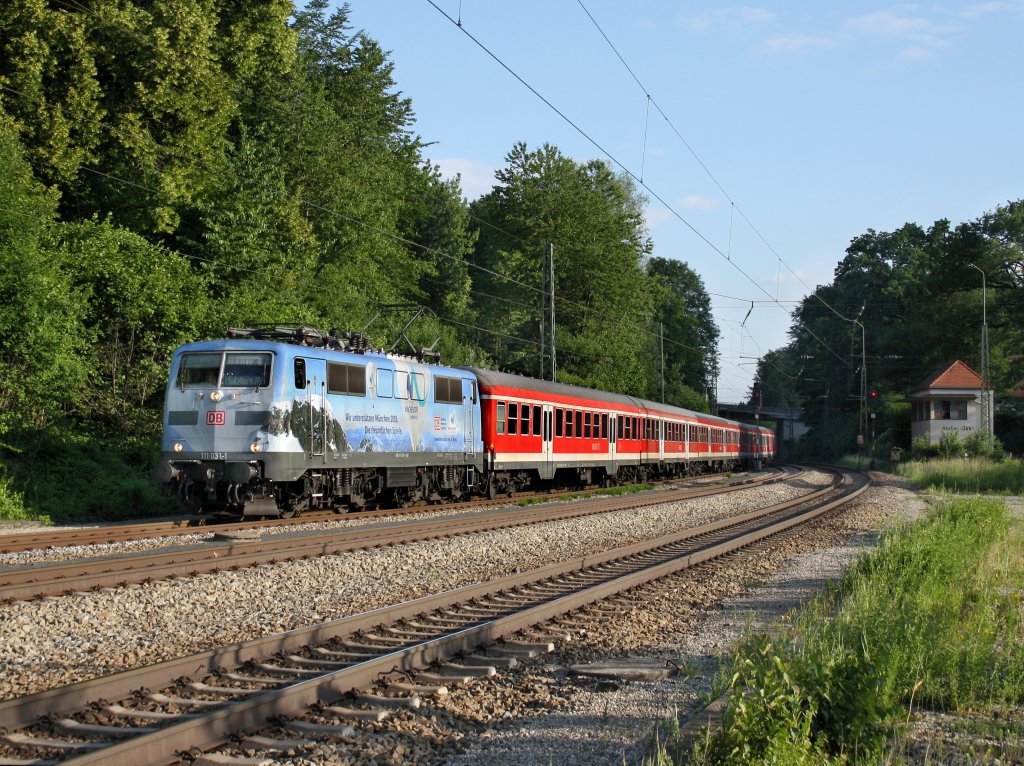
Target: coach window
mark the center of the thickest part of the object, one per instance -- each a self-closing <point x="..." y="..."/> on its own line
<point x="385" y="384"/>
<point x="586" y="425"/>
<point x="536" y="420"/>
<point x="558" y="422"/>
<point x="513" y="418"/>
<point x="579" y="424"/>
<point x="524" y="419"/>
<point x="347" y="379"/>
<point x="604" y="425"/>
<point x="500" y="418"/>
<point x="627" y="428"/>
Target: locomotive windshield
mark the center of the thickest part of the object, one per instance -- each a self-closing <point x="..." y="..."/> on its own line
<point x="246" y="370"/>
<point x="241" y="370"/>
<point x="198" y="370"/>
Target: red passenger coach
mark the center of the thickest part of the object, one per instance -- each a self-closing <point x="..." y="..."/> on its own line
<point x="538" y="430"/>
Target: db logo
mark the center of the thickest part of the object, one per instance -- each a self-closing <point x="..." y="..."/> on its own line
<point x="216" y="418"/>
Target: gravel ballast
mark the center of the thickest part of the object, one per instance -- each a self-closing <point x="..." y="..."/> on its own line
<point x="65" y="639"/>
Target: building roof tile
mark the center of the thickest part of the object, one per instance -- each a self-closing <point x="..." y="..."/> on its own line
<point x="956" y="375"/>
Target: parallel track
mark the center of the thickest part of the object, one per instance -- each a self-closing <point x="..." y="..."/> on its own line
<point x="185" y="525"/>
<point x="37" y="581"/>
<point x="326" y="662"/>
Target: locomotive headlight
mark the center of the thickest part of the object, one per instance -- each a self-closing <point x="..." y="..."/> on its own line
<point x="216" y="396"/>
<point x="178" y="446"/>
<point x="255" y="447"/>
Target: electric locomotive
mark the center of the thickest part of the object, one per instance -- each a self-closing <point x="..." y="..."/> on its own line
<point x="276" y="421"/>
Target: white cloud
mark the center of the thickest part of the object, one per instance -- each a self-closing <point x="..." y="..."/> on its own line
<point x="738" y="17"/>
<point x="656" y="215"/>
<point x="477" y="177"/>
<point x="918" y="36"/>
<point x="796" y="43"/>
<point x="698" y="202"/>
<point x="997" y="6"/>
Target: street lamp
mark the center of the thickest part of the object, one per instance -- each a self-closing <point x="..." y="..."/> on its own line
<point x="986" y="410"/>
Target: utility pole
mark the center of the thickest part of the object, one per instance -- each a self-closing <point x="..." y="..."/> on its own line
<point x="661" y="348"/>
<point x="550" y="251"/>
<point x="986" y="408"/>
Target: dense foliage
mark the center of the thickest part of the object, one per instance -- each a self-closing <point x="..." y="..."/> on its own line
<point x="173" y="168"/>
<point x="918" y="293"/>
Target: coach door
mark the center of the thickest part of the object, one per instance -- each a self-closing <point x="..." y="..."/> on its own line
<point x="468" y="416"/>
<point x="547" y="433"/>
<point x="314" y="419"/>
<point x="612" y="435"/>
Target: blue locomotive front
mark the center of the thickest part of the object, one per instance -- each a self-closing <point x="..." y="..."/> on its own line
<point x="278" y="422"/>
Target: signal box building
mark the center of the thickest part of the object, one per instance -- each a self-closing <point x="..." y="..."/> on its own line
<point x="949" y="400"/>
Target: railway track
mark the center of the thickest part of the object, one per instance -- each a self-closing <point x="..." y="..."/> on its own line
<point x="309" y="683"/>
<point x="37" y="581"/>
<point x="185" y="525"/>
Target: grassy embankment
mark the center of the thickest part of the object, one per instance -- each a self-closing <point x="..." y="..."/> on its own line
<point x="966" y="476"/>
<point x="70" y="477"/>
<point x="931" y="620"/>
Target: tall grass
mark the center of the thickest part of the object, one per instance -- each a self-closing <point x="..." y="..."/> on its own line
<point x="971" y="475"/>
<point x="932" y="619"/>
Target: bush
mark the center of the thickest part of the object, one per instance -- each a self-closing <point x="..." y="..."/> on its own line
<point x="950" y="445"/>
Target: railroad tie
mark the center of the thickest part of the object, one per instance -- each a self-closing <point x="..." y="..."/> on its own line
<point x="227" y="691"/>
<point x="24" y="740"/>
<point x="163" y="699"/>
<point x="401" y="703"/>
<point x="326" y="664"/>
<point x="505" y="663"/>
<point x="374" y="716"/>
<point x="257" y="742"/>
<point x="150" y="715"/>
<point x="69" y="724"/>
<point x="416" y="689"/>
<point x="221" y="759"/>
<point x="476" y="671"/>
<point x="325" y="730"/>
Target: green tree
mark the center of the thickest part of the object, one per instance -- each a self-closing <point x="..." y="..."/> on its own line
<point x="604" y="303"/>
<point x="41" y="362"/>
<point x="683" y="309"/>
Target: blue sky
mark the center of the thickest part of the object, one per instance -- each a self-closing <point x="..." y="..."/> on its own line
<point x="815" y="120"/>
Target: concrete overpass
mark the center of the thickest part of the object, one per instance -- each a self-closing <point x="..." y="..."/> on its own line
<point x="787" y="422"/>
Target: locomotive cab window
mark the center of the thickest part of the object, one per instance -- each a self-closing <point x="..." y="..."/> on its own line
<point x="246" y="370"/>
<point x="300" y="372"/>
<point x="349" y="379"/>
<point x="198" y="370"/>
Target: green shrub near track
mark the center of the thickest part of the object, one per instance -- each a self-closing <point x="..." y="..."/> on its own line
<point x="931" y="619"/>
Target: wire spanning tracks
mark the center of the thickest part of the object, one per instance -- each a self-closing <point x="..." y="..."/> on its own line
<point x="114" y="533"/>
<point x="246" y="686"/>
<point x="37" y="581"/>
